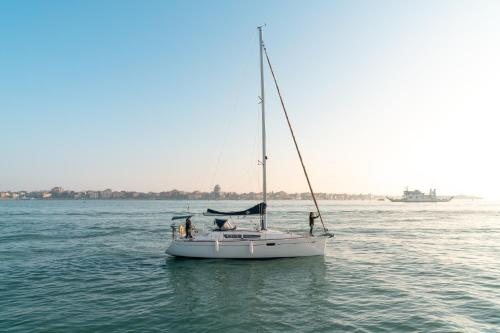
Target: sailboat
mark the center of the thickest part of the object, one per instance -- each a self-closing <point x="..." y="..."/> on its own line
<point x="226" y="240"/>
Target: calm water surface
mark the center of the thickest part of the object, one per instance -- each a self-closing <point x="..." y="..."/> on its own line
<point x="99" y="266"/>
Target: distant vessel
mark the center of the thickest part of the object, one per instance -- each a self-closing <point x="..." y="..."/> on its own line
<point x="417" y="196"/>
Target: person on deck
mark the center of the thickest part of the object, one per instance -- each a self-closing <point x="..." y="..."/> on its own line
<point x="311" y="222"/>
<point x="189" y="228"/>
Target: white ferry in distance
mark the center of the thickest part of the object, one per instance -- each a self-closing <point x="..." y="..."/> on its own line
<point x="417" y="196"/>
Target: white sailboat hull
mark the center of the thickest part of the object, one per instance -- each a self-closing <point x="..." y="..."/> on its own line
<point x="249" y="249"/>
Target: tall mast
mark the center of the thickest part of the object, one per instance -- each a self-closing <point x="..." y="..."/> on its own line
<point x="263" y="221"/>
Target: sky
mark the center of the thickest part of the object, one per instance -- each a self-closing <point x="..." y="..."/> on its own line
<point x="160" y="95"/>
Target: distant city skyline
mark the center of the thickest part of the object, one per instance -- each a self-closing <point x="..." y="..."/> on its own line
<point x="217" y="193"/>
<point x="163" y="95"/>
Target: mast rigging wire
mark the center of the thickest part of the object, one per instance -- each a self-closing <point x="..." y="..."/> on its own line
<point x="294" y="140"/>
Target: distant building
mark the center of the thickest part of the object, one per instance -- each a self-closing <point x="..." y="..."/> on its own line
<point x="57" y="189"/>
<point x="196" y="195"/>
<point x="217" y="192"/>
<point x="118" y="195"/>
<point x="106" y="194"/>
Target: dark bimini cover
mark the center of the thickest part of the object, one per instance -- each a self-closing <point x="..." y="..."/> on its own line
<point x="259" y="209"/>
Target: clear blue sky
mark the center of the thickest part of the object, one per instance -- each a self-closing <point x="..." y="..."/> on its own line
<point x="159" y="95"/>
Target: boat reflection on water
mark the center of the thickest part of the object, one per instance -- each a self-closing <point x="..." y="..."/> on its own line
<point x="224" y="293"/>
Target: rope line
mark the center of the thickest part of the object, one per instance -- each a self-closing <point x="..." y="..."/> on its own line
<point x="294" y="140"/>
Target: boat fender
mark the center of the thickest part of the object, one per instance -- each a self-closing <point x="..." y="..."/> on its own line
<point x="250" y="247"/>
<point x="216" y="245"/>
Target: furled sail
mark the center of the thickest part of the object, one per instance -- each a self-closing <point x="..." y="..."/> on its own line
<point x="259" y="209"/>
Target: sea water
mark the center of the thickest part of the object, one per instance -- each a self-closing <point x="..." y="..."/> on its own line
<point x="100" y="266"/>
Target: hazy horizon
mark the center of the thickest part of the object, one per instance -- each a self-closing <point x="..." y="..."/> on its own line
<point x="123" y="95"/>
